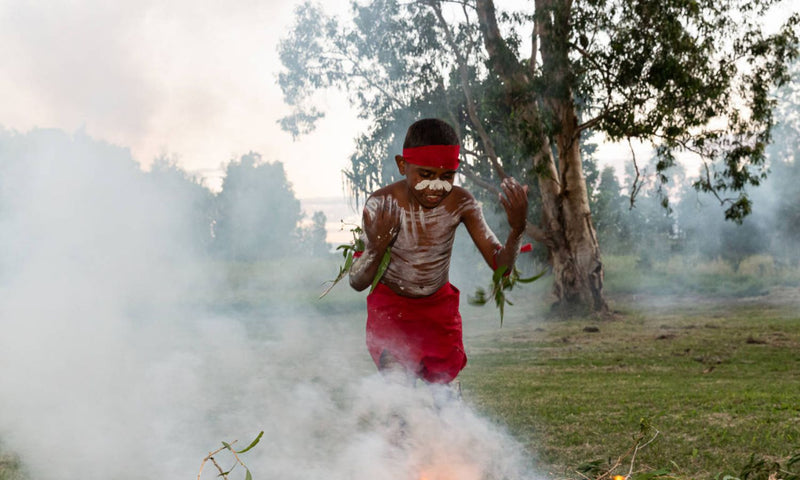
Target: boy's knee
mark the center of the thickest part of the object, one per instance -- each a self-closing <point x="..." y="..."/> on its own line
<point x="391" y="367"/>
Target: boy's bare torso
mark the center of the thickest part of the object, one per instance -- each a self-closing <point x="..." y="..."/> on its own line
<point x="420" y="259"/>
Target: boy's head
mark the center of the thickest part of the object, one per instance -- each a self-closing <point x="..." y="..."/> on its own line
<point x="429" y="160"/>
<point x="430" y="131"/>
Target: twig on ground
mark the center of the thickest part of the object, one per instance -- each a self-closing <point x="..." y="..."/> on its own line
<point x="211" y="457"/>
<point x="636" y="450"/>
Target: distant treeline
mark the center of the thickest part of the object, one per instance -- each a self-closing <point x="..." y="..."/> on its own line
<point x="676" y="219"/>
<point x="255" y="216"/>
<point x="685" y="221"/>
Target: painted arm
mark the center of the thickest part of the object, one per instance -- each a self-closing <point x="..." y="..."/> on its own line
<point x="515" y="202"/>
<point x="381" y="221"/>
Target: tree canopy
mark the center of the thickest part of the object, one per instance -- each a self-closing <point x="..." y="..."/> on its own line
<point x="689" y="77"/>
<point x="525" y="88"/>
<point x="257" y="212"/>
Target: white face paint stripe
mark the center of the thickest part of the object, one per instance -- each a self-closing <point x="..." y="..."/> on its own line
<point x="434" y="185"/>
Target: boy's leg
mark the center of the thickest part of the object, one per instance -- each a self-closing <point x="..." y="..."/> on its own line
<point x="392" y="369"/>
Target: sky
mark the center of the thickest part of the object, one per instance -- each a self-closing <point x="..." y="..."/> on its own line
<point x="196" y="81"/>
<point x="193" y="80"/>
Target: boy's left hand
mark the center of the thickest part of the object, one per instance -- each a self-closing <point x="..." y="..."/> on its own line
<point x="515" y="203"/>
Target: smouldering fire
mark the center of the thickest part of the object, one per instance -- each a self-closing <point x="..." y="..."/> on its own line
<point x="450" y="472"/>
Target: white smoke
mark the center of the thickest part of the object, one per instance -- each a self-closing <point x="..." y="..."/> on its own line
<point x="116" y="364"/>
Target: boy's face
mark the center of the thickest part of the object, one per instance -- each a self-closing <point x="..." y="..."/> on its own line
<point x="428" y="185"/>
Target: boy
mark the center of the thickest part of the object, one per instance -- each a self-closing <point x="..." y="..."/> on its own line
<point x="412" y="315"/>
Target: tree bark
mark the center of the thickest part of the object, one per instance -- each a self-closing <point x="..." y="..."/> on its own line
<point x="570" y="237"/>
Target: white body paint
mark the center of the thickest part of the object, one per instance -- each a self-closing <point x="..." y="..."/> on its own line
<point x="420" y="262"/>
<point x="434" y="185"/>
<point x="421" y="255"/>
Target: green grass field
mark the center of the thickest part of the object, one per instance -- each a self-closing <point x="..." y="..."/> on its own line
<point x="718" y="376"/>
<point x="713" y="365"/>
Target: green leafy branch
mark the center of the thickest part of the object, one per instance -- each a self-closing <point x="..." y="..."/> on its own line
<point x="229" y="446"/>
<point x="348" y="253"/>
<point x="501" y="283"/>
<point x="387" y="256"/>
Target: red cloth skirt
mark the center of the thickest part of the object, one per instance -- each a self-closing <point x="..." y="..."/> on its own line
<point x="422" y="334"/>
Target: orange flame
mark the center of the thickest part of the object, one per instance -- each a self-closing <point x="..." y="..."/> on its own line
<point x="450" y="471"/>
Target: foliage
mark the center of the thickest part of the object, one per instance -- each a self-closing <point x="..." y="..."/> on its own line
<point x="257" y="212"/>
<point x="11" y="467"/>
<point x="255" y="215"/>
<point x="502" y="282"/>
<point x="760" y="468"/>
<point x="350" y="252"/>
<point x="237" y="461"/>
<point x="109" y="194"/>
<point x="668" y="73"/>
<point x="603" y="470"/>
<point x="188" y="193"/>
<point x="312" y="237"/>
<point x="611" y="217"/>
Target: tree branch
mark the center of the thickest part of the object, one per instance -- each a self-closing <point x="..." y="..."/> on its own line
<point x="359" y="73"/>
<point x="463" y="3"/>
<point x="472" y="110"/>
<point x="211" y="458"/>
<point x="477" y="180"/>
<point x="537" y="234"/>
<point x="497" y="49"/>
<point x="534" y="49"/>
<point x="590" y="123"/>
<point x="634" y="188"/>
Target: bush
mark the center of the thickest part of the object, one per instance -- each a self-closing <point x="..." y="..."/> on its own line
<point x="757" y="266"/>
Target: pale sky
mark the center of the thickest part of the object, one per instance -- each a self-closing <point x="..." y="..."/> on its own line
<point x="192" y="79"/>
<point x="196" y="80"/>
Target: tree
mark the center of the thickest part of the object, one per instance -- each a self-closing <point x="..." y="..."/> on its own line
<point x="785" y="165"/>
<point x="257" y="212"/>
<point x="313" y="237"/>
<point x="188" y="195"/>
<point x="608" y="205"/>
<point x="688" y="76"/>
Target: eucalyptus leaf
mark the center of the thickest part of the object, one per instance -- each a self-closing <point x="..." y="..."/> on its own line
<point x="533" y="278"/>
<point x="502" y="281"/>
<point x="387" y="257"/>
<point x="253" y="443"/>
<point x="479" y="299"/>
<point x="248" y="475"/>
<point x="649" y="475"/>
<point x="348" y="253"/>
<point x="348" y="262"/>
<point x="498" y="273"/>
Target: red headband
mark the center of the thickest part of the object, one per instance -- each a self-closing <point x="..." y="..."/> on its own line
<point x="435" y="156"/>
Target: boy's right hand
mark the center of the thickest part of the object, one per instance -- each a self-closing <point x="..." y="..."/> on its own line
<point x="382" y="222"/>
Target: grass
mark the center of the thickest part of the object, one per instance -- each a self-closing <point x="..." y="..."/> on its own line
<point x="719" y="378"/>
<point x="10" y="467"/>
<point x="679" y="274"/>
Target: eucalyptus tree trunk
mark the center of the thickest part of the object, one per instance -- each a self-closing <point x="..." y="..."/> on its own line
<point x="566" y="228"/>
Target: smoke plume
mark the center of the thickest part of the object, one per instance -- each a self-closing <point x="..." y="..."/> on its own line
<point x="124" y="356"/>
